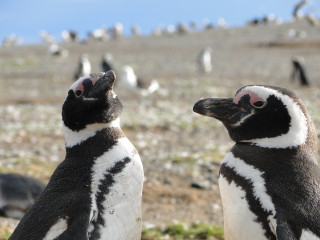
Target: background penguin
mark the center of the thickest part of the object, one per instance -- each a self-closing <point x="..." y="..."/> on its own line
<point x="203" y="62"/>
<point x="83" y="68"/>
<point x="18" y="193"/>
<point x="95" y="193"/>
<point x="269" y="181"/>
<point x="130" y="81"/>
<point x="106" y="62"/>
<point x="57" y="50"/>
<point x="299" y="72"/>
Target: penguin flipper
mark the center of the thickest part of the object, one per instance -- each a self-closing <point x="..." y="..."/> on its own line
<point x="77" y="229"/>
<point x="284" y="231"/>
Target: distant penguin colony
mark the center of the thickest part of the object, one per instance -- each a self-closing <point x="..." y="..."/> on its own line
<point x="83" y="68"/>
<point x="18" y="193"/>
<point x="95" y="193"/>
<point x="269" y="181"/>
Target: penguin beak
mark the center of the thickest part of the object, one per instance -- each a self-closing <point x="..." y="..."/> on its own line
<point x="223" y="109"/>
<point x="103" y="84"/>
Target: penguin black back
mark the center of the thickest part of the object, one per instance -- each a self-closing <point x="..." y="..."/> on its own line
<point x="269" y="180"/>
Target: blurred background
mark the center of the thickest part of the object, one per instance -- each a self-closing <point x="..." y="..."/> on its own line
<point x="27" y="19"/>
<point x="181" y="51"/>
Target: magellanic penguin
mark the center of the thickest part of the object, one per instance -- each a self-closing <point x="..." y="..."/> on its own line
<point x="95" y="193"/>
<point x="203" y="62"/>
<point x="106" y="62"/>
<point x="130" y="81"/>
<point x="270" y="180"/>
<point x="83" y="68"/>
<point x="299" y="71"/>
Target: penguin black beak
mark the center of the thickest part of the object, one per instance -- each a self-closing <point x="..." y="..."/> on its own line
<point x="223" y="109"/>
<point x="104" y="83"/>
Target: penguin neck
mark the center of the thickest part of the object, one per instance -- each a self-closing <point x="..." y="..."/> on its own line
<point x="73" y="138"/>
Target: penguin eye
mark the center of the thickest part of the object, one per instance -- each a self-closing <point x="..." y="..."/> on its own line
<point x="259" y="104"/>
<point x="78" y="93"/>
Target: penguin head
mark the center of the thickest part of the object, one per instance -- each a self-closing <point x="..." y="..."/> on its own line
<point x="265" y="116"/>
<point x="90" y="100"/>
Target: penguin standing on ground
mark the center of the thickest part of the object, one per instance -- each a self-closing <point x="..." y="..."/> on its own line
<point x="130" y="81"/>
<point x="106" y="62"/>
<point x="203" y="62"/>
<point x="270" y="180"/>
<point x="95" y="193"/>
<point x="83" y="68"/>
<point x="299" y="71"/>
<point x="18" y="193"/>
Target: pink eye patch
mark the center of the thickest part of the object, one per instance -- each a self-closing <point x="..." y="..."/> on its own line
<point x="80" y="88"/>
<point x="255" y="100"/>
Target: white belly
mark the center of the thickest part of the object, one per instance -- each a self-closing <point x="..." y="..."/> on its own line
<point x="122" y="205"/>
<point x="239" y="221"/>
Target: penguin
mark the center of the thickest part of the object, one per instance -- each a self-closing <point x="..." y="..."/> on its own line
<point x="203" y="62"/>
<point x="130" y="81"/>
<point x="83" y="68"/>
<point x="57" y="50"/>
<point x="299" y="71"/>
<point x="269" y="181"/>
<point x="17" y="194"/>
<point x="95" y="193"/>
<point x="106" y="62"/>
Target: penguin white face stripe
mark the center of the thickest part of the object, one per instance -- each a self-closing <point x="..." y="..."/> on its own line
<point x="57" y="229"/>
<point x="73" y="138"/>
<point x="254" y="176"/>
<point x="237" y="124"/>
<point x="298" y="130"/>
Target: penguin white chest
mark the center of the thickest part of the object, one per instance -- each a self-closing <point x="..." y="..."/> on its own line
<point x="240" y="222"/>
<point x="117" y="192"/>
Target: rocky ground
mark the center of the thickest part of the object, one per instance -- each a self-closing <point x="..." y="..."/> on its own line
<point x="181" y="151"/>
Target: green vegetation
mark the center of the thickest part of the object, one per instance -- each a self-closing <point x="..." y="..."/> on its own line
<point x="4" y="233"/>
<point x="180" y="231"/>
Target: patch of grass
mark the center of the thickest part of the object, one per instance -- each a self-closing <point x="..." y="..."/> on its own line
<point x="5" y="233"/>
<point x="180" y="231"/>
